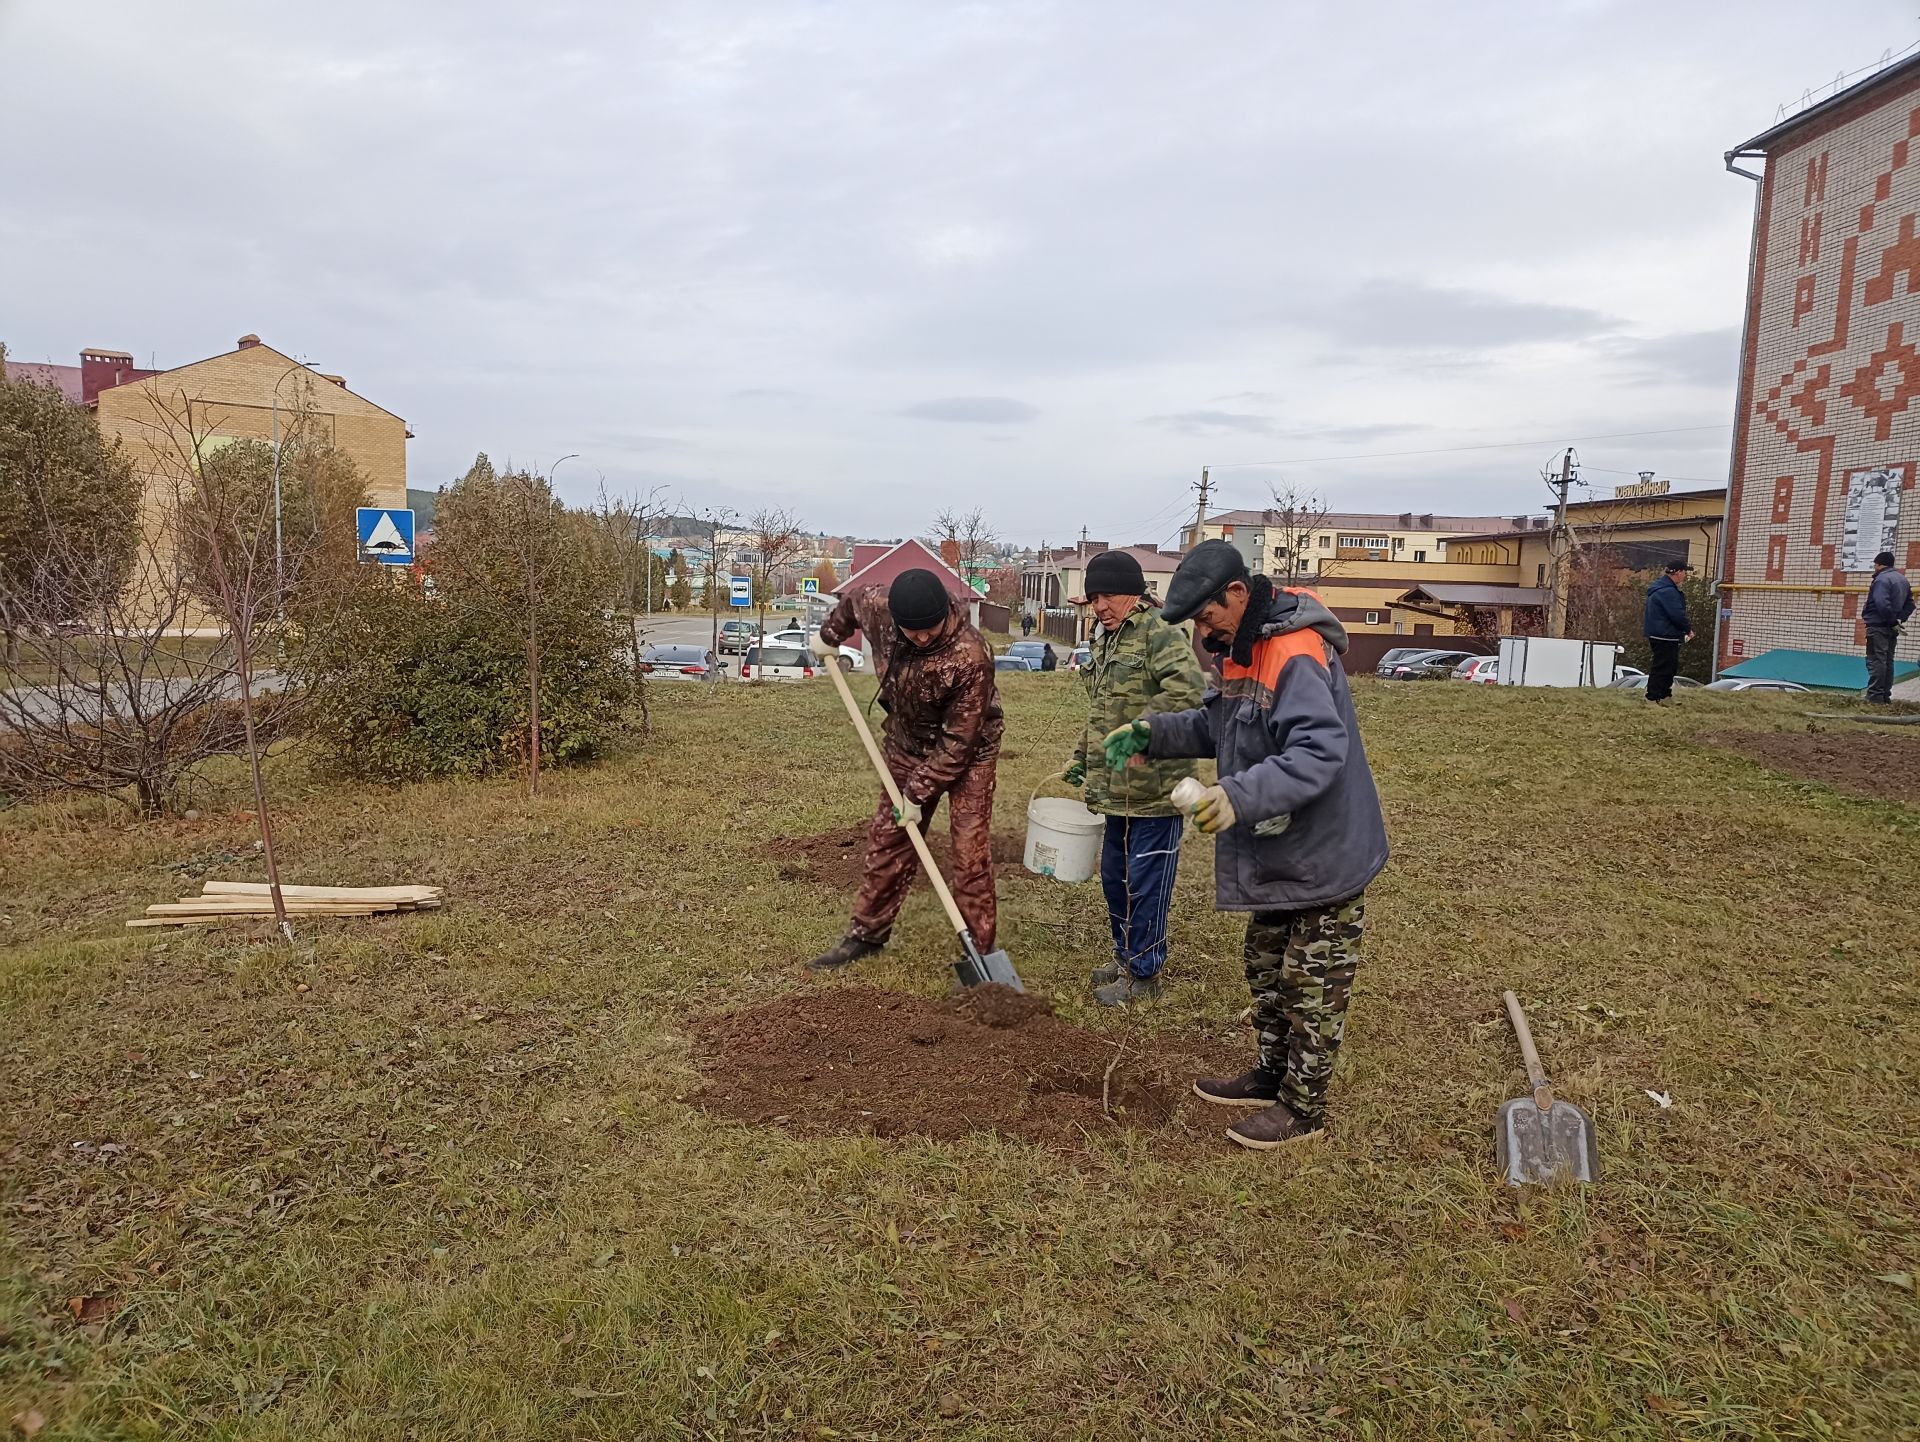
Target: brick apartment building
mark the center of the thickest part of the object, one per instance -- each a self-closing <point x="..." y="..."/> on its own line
<point x="1827" y="435"/>
<point x="235" y="395"/>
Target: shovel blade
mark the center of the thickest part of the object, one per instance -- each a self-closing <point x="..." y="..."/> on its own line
<point x="1538" y="1148"/>
<point x="996" y="967"/>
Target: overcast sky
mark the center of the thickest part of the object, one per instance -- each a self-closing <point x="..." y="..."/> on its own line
<point x="874" y="259"/>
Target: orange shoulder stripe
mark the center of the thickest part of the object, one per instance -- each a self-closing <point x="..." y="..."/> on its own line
<point x="1271" y="656"/>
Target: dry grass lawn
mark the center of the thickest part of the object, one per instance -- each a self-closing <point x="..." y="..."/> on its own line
<point x="436" y="1177"/>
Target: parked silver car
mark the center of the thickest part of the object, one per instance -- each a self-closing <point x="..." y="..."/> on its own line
<point x="667" y="662"/>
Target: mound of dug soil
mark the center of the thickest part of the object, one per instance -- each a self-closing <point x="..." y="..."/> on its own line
<point x="836" y="857"/>
<point x="1860" y="759"/>
<point x="859" y="1059"/>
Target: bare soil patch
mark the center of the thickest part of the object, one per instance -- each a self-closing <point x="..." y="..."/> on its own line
<point x="1862" y="760"/>
<point x="837" y="857"/>
<point x="861" y="1059"/>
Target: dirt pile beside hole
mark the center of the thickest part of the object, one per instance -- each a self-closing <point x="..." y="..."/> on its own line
<point x="837" y="857"/>
<point x="1862" y="759"/>
<point x="860" y="1059"/>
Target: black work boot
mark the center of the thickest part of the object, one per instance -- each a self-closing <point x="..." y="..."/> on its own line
<point x="1278" y="1125"/>
<point x="844" y="952"/>
<point x="1104" y="974"/>
<point x="1256" y="1088"/>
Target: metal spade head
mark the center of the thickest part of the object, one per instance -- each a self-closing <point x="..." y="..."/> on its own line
<point x="1539" y="1146"/>
<point x="974" y="969"/>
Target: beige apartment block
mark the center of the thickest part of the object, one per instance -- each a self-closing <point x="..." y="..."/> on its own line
<point x="249" y="393"/>
<point x="243" y="394"/>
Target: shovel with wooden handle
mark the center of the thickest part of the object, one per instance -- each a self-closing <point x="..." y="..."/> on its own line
<point x="973" y="968"/>
<point x="1540" y="1139"/>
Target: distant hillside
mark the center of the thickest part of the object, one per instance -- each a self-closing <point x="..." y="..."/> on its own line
<point x="423" y="503"/>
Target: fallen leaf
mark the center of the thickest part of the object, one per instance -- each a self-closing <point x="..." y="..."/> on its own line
<point x="1896" y="1279"/>
<point x="1660" y="1099"/>
<point x="1513" y="1231"/>
<point x="951" y="1405"/>
<point x="1513" y="1309"/>
<point x="1657" y="1403"/>
<point x="29" y="1422"/>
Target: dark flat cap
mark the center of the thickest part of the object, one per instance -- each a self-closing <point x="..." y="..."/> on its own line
<point x="1111" y="573"/>
<point x="1201" y="575"/>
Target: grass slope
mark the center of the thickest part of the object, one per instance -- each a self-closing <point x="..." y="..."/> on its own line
<point x="434" y="1177"/>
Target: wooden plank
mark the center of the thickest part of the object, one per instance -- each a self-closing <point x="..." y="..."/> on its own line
<point x="324" y="893"/>
<point x="311" y="908"/>
<point x="293" y="903"/>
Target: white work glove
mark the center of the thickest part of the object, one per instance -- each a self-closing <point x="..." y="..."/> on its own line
<point x="823" y="648"/>
<point x="1213" y="812"/>
<point x="908" y="813"/>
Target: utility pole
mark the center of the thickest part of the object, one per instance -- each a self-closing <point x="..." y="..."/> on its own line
<point x="1557" y="565"/>
<point x="1200" y="512"/>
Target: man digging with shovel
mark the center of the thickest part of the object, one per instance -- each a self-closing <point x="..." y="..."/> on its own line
<point x="942" y="738"/>
<point x="1296" y="823"/>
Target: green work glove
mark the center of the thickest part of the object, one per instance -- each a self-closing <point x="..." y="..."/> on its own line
<point x="1076" y="773"/>
<point x="1123" y="743"/>
<point x="1213" y="812"/>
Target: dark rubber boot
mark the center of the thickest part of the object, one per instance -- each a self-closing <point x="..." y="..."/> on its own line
<point x="1104" y="974"/>
<point x="844" y="952"/>
<point x="1278" y="1125"/>
<point x="1127" y="990"/>
<point x="1254" y="1088"/>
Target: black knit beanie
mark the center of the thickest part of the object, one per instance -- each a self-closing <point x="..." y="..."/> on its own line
<point x="918" y="600"/>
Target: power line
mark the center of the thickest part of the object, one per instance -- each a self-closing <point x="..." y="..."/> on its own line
<point x="1454" y="450"/>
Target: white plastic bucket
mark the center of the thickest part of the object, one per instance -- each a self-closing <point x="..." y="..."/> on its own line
<point x="1063" y="839"/>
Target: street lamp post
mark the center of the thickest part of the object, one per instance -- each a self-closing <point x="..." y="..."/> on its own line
<point x="279" y="541"/>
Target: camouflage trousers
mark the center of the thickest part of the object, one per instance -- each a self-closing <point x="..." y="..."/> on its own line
<point x="1300" y="966"/>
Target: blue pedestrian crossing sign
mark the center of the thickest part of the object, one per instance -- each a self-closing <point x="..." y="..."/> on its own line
<point x="809" y="585"/>
<point x="386" y="535"/>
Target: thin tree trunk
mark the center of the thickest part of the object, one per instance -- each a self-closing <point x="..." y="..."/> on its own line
<point x="243" y="646"/>
<point x="533" y="695"/>
<point x="639" y="677"/>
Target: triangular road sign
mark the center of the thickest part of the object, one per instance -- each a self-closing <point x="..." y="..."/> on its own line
<point x="386" y="538"/>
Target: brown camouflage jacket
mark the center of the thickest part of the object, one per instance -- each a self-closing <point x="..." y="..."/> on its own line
<point x="943" y="708"/>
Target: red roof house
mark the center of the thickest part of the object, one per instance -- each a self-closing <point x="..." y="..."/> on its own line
<point x="880" y="569"/>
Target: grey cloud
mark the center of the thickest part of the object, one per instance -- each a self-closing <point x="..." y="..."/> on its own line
<point x="1213" y="423"/>
<point x="632" y="441"/>
<point x="1355" y="435"/>
<point x="1699" y="358"/>
<point x="1409" y="314"/>
<point x="973" y="410"/>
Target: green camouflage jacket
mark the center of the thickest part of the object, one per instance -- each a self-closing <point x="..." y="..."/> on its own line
<point x="1144" y="668"/>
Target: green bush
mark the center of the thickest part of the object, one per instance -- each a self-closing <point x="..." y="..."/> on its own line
<point x="412" y="682"/>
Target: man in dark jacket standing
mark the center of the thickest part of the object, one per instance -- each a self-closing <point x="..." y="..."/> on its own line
<point x="1889" y="604"/>
<point x="1667" y="630"/>
<point x="942" y="738"/>
<point x="1295" y="818"/>
<point x="1138" y="665"/>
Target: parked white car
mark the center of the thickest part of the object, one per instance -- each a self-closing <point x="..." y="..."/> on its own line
<point x="1737" y="683"/>
<point x="852" y="658"/>
<point x="777" y="663"/>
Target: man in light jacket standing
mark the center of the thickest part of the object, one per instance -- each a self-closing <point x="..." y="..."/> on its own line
<point x="1889" y="604"/>
<point x="1298" y="833"/>
<point x="1667" y="629"/>
<point x="1139" y="666"/>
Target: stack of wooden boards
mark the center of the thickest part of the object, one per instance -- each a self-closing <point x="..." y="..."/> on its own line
<point x="225" y="900"/>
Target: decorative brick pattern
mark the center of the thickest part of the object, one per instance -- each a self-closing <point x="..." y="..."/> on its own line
<point x="1832" y="371"/>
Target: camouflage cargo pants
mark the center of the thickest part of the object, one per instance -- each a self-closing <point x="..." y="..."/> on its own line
<point x="1300" y="966"/>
